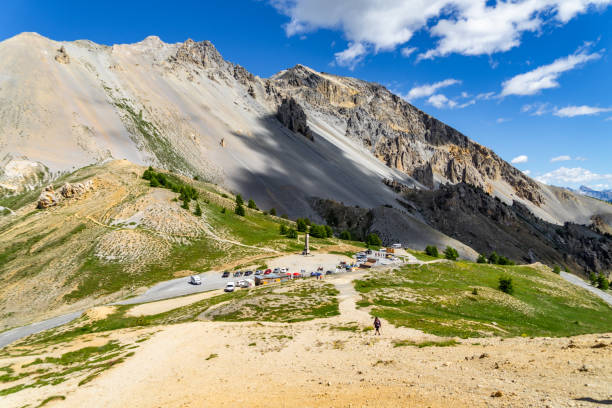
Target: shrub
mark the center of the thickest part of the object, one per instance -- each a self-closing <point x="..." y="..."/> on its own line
<point x="345" y="235"/>
<point x="475" y="292"/>
<point x="318" y="231"/>
<point x="154" y="182"/>
<point x="239" y="200"/>
<point x="373" y="240"/>
<point x="252" y="205"/>
<point x="198" y="210"/>
<point x="223" y="210"/>
<point x="557" y="270"/>
<point x="593" y="278"/>
<point x="451" y="253"/>
<point x="602" y="282"/>
<point x="482" y="259"/>
<point x="494" y="258"/>
<point x="291" y="233"/>
<point x="431" y="251"/>
<point x="328" y="231"/>
<point x="239" y="210"/>
<point x="185" y="205"/>
<point x="285" y="216"/>
<point x="502" y="260"/>
<point x="282" y="229"/>
<point x="272" y="211"/>
<point x="301" y="225"/>
<point x="505" y="285"/>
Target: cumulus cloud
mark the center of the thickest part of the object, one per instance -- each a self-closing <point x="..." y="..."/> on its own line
<point x="571" y="111"/>
<point x="519" y="159"/>
<point x="526" y="172"/>
<point x="423" y="91"/>
<point x="546" y="76"/>
<point x="440" y="101"/>
<point x="352" y="55"/>
<point x="576" y="175"/>
<point x="560" y="158"/>
<point x="468" y="27"/>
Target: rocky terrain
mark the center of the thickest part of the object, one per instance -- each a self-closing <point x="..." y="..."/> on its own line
<point x="185" y="108"/>
<point x="287" y="141"/>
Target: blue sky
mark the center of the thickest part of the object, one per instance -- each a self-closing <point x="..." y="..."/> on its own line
<point x="530" y="78"/>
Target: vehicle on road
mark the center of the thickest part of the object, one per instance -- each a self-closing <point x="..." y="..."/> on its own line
<point x="296" y="275"/>
<point x="267" y="272"/>
<point x="230" y="287"/>
<point x="237" y="274"/>
<point x="243" y="284"/>
<point x="277" y="270"/>
<point x="225" y="274"/>
<point x="248" y="273"/>
<point x="195" y="280"/>
<point x="329" y="272"/>
<point x="284" y="270"/>
<point x="258" y="272"/>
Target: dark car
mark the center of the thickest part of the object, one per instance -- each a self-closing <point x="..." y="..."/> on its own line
<point x="328" y="272"/>
<point x="225" y="274"/>
<point x="248" y="273"/>
<point x="258" y="272"/>
<point x="237" y="274"/>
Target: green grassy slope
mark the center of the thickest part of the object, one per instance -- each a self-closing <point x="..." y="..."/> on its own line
<point x="462" y="299"/>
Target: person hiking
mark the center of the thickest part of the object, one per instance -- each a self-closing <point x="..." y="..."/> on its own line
<point x="377" y="325"/>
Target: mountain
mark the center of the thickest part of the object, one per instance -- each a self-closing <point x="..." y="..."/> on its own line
<point x="605" y="195"/>
<point x="288" y="141"/>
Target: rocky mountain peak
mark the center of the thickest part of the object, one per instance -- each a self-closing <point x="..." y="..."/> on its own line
<point x="201" y="53"/>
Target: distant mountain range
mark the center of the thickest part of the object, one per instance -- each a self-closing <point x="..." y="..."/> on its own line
<point x="605" y="195"/>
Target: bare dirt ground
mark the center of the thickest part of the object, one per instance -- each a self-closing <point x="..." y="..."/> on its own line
<point x="147" y="309"/>
<point x="317" y="364"/>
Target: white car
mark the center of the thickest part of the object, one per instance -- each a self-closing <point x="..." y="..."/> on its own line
<point x="229" y="287"/>
<point x="195" y="280"/>
<point x="243" y="283"/>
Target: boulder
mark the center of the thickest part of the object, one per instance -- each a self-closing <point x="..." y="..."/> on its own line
<point x="62" y="56"/>
<point x="47" y="198"/>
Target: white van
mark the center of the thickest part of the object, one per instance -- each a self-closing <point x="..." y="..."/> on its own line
<point x="195" y="280"/>
<point x="229" y="287"/>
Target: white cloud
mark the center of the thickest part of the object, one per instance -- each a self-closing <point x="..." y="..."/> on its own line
<point x="526" y="172"/>
<point x="468" y="27"/>
<point x="576" y="175"/>
<point x="352" y="55"/>
<point x="429" y="89"/>
<point x="571" y="111"/>
<point x="560" y="158"/>
<point x="502" y="120"/>
<point x="407" y="51"/>
<point x="536" y="109"/>
<point x="544" y="77"/>
<point x="440" y="101"/>
<point x="579" y="158"/>
<point x="519" y="159"/>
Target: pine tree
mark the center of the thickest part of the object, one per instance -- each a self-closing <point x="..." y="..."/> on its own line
<point x="198" y="210"/>
<point x="252" y="205"/>
<point x="239" y="200"/>
<point x="240" y="210"/>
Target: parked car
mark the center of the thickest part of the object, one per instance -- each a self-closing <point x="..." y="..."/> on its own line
<point x="267" y="272"/>
<point x="195" y="280"/>
<point x="284" y="270"/>
<point x="237" y="274"/>
<point x="225" y="274"/>
<point x="328" y="272"/>
<point x="248" y="273"/>
<point x="296" y="275"/>
<point x="258" y="272"/>
<point x="243" y="284"/>
<point x="229" y="287"/>
<point x="277" y="270"/>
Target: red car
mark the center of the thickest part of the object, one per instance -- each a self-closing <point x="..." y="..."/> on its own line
<point x="267" y="271"/>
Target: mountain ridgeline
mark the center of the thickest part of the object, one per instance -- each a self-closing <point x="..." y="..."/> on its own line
<point x="296" y="142"/>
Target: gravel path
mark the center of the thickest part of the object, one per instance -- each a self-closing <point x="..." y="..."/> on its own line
<point x="579" y="282"/>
